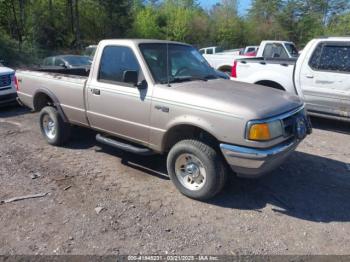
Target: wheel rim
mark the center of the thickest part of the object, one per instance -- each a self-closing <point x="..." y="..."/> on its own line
<point x="49" y="127"/>
<point x="190" y="172"/>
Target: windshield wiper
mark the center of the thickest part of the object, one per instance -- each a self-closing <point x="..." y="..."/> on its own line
<point x="193" y="78"/>
<point x="179" y="79"/>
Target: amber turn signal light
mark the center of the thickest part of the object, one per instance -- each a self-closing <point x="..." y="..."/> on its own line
<point x="259" y="132"/>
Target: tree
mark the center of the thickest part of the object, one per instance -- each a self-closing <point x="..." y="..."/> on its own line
<point x="177" y="17"/>
<point x="226" y="24"/>
<point x="199" y="28"/>
<point x="262" y="20"/>
<point x="116" y="17"/>
<point x="146" y="24"/>
<point x="38" y="28"/>
<point x="339" y="25"/>
<point x="77" y="24"/>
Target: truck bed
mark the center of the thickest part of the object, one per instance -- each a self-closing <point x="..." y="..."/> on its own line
<point x="67" y="88"/>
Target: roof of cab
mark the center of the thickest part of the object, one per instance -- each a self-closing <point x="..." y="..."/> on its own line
<point x="139" y="41"/>
<point x="334" y="37"/>
<point x="276" y="41"/>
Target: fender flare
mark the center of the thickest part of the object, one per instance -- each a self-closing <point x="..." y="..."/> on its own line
<point x="55" y="100"/>
<point x="181" y="122"/>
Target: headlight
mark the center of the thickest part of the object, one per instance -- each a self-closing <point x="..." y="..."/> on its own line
<point x="265" y="131"/>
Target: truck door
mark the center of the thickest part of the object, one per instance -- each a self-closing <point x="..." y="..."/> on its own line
<point x="113" y="105"/>
<point x="325" y="78"/>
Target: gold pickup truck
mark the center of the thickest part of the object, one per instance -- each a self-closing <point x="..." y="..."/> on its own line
<point x="150" y="96"/>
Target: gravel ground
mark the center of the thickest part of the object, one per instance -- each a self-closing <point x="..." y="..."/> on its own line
<point x="301" y="208"/>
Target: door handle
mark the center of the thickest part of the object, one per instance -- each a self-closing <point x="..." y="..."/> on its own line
<point x="96" y="91"/>
<point x="310" y="76"/>
<point x="162" y="108"/>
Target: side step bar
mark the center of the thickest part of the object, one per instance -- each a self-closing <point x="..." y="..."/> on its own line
<point x="124" y="146"/>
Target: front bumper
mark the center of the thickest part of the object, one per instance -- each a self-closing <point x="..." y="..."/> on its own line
<point x="252" y="162"/>
<point x="8" y="98"/>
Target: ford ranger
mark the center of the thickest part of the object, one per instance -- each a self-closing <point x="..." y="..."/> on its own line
<point x="150" y="96"/>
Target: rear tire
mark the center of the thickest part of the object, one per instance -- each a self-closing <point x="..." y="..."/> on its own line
<point x="52" y="126"/>
<point x="196" y="169"/>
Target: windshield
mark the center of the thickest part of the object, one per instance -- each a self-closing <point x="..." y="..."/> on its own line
<point x="292" y="50"/>
<point x="78" y="60"/>
<point x="185" y="63"/>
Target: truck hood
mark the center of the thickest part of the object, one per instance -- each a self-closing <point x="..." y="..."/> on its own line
<point x="6" y="70"/>
<point x="242" y="100"/>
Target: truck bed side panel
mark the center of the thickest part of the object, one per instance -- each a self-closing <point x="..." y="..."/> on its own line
<point x="69" y="91"/>
<point x="255" y="71"/>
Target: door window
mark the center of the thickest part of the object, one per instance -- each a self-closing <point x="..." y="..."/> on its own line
<point x="59" y="62"/>
<point x="335" y="58"/>
<point x="331" y="57"/>
<point x="115" y="61"/>
<point x="48" y="61"/>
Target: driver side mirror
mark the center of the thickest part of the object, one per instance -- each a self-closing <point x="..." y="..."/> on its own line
<point x="132" y="77"/>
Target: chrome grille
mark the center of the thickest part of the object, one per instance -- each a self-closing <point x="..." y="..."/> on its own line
<point x="5" y="80"/>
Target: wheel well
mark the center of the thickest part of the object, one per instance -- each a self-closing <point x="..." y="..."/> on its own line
<point x="181" y="132"/>
<point x="41" y="100"/>
<point x="225" y="68"/>
<point x="271" y="84"/>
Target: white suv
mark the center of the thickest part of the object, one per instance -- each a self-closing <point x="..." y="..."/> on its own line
<point x="8" y="93"/>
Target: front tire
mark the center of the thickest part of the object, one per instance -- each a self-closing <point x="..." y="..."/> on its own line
<point x="52" y="126"/>
<point x="196" y="169"/>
